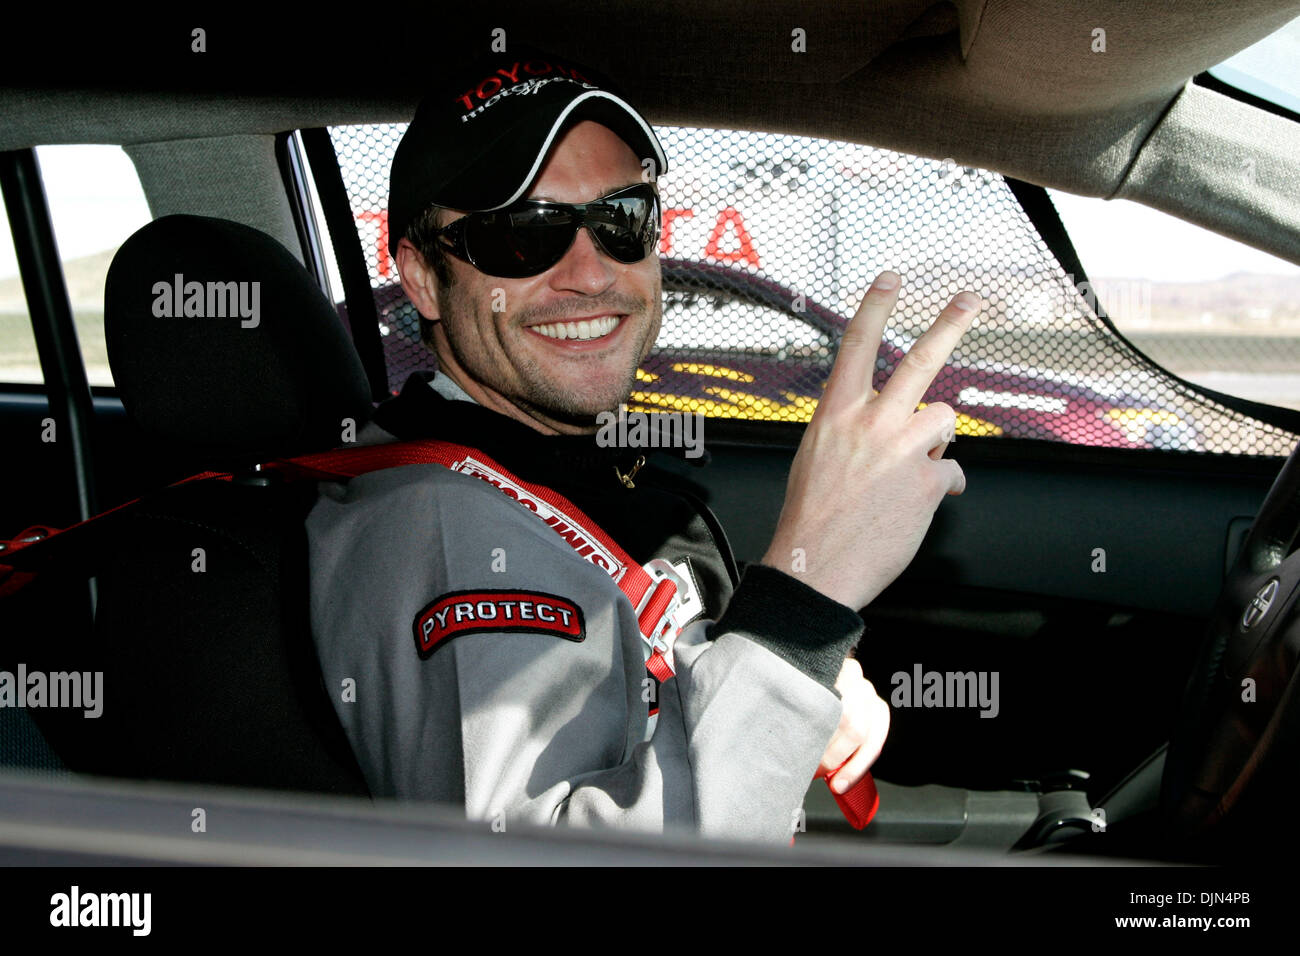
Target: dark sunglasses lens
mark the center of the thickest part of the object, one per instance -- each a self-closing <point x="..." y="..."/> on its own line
<point x="515" y="245"/>
<point x="626" y="227"/>
<point x="526" y="242"/>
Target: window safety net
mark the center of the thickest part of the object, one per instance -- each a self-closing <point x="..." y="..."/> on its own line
<point x="767" y="246"/>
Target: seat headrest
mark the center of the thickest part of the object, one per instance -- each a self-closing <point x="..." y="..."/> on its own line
<point x="222" y="343"/>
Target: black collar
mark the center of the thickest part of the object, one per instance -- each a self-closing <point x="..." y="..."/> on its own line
<point x="420" y="412"/>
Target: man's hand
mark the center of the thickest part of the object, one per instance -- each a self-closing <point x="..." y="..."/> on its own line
<point x="870" y="471"/>
<point x="864" y="725"/>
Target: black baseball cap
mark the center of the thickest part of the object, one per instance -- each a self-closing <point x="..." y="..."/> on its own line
<point x="478" y="142"/>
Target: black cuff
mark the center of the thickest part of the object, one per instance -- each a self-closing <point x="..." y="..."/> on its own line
<point x="797" y="623"/>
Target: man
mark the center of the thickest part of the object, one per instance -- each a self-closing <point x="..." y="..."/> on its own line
<point x="430" y="585"/>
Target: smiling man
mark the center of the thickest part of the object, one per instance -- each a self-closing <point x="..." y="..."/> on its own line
<point x="593" y="657"/>
<point x="555" y="349"/>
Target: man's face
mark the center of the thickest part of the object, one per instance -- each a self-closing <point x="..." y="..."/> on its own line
<point x="512" y="359"/>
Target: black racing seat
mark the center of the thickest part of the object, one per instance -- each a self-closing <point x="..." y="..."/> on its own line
<point x="225" y="351"/>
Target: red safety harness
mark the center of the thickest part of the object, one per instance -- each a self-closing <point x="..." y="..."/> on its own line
<point x="656" y="591"/>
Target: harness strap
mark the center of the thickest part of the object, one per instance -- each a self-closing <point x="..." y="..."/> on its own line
<point x="655" y="591"/>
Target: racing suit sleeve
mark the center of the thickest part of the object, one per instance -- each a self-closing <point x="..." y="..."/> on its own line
<point x="744" y="722"/>
<point x="520" y="725"/>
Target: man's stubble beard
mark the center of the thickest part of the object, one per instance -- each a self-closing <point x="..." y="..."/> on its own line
<point x="540" y="394"/>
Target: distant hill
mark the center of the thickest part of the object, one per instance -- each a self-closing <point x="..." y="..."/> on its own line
<point x="1242" y="300"/>
<point x="85" y="279"/>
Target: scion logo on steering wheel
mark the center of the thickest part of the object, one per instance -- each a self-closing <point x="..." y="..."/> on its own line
<point x="1259" y="605"/>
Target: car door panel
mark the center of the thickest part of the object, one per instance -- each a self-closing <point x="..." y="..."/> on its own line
<point x="1090" y="663"/>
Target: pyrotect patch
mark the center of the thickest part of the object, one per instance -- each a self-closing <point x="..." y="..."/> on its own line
<point x="474" y="612"/>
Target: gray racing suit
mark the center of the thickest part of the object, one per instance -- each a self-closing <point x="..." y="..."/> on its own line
<point x="533" y="703"/>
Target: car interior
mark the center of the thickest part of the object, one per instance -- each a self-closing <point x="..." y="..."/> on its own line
<point x="1120" y="730"/>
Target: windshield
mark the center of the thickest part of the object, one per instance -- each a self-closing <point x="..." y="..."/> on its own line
<point x="1270" y="69"/>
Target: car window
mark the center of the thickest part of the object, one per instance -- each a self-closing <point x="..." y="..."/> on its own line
<point x="768" y="244"/>
<point x="1269" y="69"/>
<point x="18" y="359"/>
<point x="96" y="203"/>
<point x="1213" y="311"/>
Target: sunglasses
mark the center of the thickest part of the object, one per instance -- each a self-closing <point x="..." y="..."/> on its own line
<point x="530" y="236"/>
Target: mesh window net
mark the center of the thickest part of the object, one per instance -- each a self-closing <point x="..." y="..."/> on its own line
<point x="769" y="243"/>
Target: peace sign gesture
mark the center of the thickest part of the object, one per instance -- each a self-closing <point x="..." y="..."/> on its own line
<point x="870" y="470"/>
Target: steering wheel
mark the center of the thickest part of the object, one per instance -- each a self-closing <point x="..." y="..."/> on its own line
<point x="1237" y="743"/>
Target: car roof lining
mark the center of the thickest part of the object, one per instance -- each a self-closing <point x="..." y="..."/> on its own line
<point x="988" y="83"/>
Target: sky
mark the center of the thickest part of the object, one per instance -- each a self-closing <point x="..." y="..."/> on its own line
<point x="1269" y="69"/>
<point x="1124" y="239"/>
